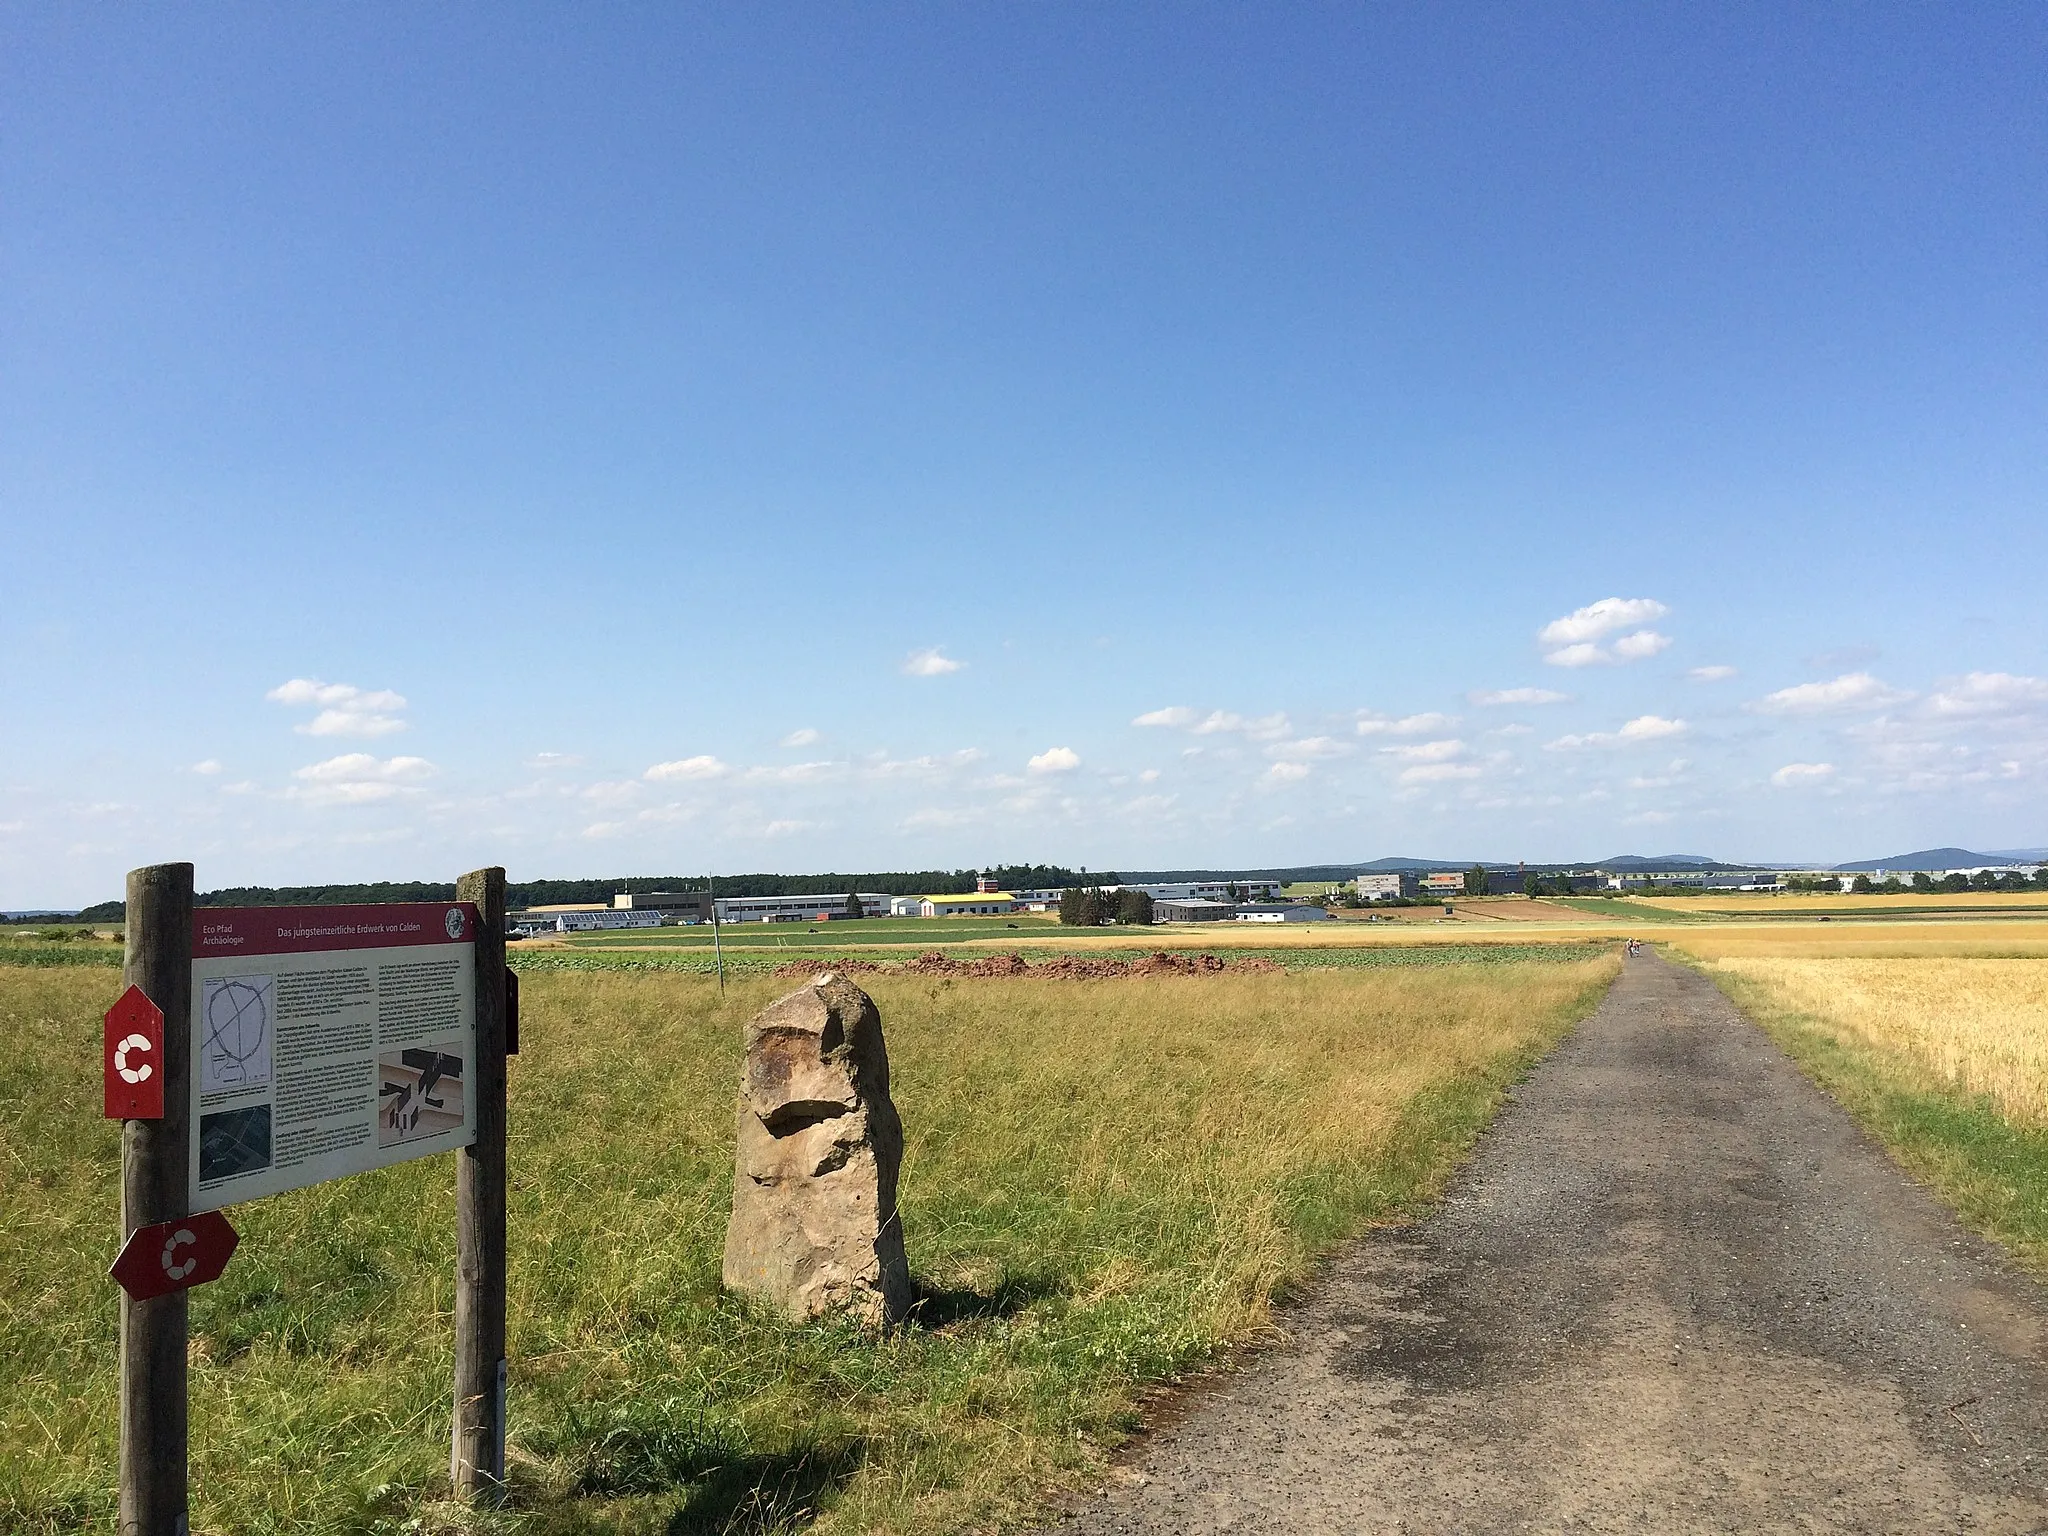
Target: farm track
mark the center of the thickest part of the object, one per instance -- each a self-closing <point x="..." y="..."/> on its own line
<point x="1674" y="1290"/>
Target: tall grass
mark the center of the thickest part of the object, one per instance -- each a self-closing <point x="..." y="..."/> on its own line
<point x="1106" y="1184"/>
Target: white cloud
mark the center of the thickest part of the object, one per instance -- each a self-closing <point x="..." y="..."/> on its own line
<point x="1486" y="698"/>
<point x="1149" y="776"/>
<point x="1055" y="760"/>
<point x="1646" y="819"/>
<point x="547" y="760"/>
<point x="1799" y="775"/>
<point x="1308" y="749"/>
<point x="785" y="828"/>
<point x="357" y="778"/>
<point x="1436" y="773"/>
<point x="603" y="829"/>
<point x="1850" y="691"/>
<point x="704" y="766"/>
<point x="1641" y="729"/>
<point x="1427" y="751"/>
<point x="1288" y="773"/>
<point x="345" y="710"/>
<point x="803" y="737"/>
<point x="208" y="768"/>
<point x="1989" y="693"/>
<point x="1713" y="674"/>
<point x="932" y="662"/>
<point x="1644" y="642"/>
<point x="1408" y="725"/>
<point x="1595" y="621"/>
<point x="1585" y="654"/>
<point x="1641" y="645"/>
<point x="1217" y="722"/>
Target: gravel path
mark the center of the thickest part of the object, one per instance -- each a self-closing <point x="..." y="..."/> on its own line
<point x="1674" y="1290"/>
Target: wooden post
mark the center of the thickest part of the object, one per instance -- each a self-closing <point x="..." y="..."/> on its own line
<point x="156" y="1186"/>
<point x="477" y="1460"/>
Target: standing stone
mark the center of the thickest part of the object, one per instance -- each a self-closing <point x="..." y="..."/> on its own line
<point x="814" y="1226"/>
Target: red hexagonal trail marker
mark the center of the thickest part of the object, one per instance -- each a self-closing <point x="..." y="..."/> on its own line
<point x="175" y="1255"/>
<point x="133" y="1055"/>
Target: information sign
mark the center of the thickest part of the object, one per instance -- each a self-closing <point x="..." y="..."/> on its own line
<point x="327" y="1041"/>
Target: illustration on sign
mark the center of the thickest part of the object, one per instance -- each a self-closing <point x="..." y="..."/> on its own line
<point x="234" y="1032"/>
<point x="420" y="1093"/>
<point x="327" y="1041"/>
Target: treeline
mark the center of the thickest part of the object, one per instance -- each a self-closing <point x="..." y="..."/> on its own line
<point x="520" y="894"/>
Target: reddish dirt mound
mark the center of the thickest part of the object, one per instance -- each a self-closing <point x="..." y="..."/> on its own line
<point x="1257" y="963"/>
<point x="1162" y="963"/>
<point x="997" y="965"/>
<point x="1075" y="968"/>
<point x="932" y="963"/>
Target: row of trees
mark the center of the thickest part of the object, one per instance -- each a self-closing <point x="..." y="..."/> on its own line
<point x="1090" y="906"/>
<point x="1983" y="880"/>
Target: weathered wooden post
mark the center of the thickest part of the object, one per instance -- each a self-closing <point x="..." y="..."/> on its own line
<point x="477" y="1460"/>
<point x="155" y="1186"/>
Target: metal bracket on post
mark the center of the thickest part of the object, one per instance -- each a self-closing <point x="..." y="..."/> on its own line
<point x="476" y="1462"/>
<point x="155" y="1187"/>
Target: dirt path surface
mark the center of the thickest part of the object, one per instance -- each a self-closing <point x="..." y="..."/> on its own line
<point x="1675" y="1290"/>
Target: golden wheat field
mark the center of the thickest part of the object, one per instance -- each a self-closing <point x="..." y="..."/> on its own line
<point x="1979" y="1025"/>
<point x="2005" y="938"/>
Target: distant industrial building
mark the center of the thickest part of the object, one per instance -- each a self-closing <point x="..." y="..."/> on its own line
<point x="1693" y="879"/>
<point x="580" y="919"/>
<point x="1279" y="912"/>
<point x="1441" y="882"/>
<point x="979" y="904"/>
<point x="674" y="906"/>
<point x="1206" y="890"/>
<point x="1383" y="887"/>
<point x="1191" y="909"/>
<point x="798" y="909"/>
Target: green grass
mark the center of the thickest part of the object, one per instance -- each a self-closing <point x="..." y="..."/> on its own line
<point x="911" y="931"/>
<point x="1292" y="958"/>
<point x="59" y="954"/>
<point x="1105" y="1184"/>
<point x="1991" y="1172"/>
<point x="1634" y="911"/>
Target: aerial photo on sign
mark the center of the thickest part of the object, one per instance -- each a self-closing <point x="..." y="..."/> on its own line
<point x="327" y="1041"/>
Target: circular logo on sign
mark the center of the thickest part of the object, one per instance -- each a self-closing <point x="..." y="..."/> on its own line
<point x="453" y="922"/>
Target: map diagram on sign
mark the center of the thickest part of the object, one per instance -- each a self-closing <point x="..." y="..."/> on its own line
<point x="235" y="1028"/>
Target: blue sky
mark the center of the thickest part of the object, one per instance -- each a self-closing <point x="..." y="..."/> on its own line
<point x="650" y="439"/>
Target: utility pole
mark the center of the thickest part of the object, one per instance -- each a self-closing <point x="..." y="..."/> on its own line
<point x="717" y="951"/>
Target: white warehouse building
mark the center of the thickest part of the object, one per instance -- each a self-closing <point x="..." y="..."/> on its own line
<point x="797" y="909"/>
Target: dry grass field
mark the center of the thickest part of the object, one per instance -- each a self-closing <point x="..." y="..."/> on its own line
<point x="2000" y="938"/>
<point x="1768" y="905"/>
<point x="1106" y="1185"/>
<point x="1979" y="1026"/>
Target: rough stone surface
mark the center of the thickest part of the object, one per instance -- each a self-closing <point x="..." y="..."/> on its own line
<point x="814" y="1226"/>
<point x="1676" y="1290"/>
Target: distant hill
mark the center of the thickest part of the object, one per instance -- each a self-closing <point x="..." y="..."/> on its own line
<point x="1662" y="861"/>
<point x="1929" y="859"/>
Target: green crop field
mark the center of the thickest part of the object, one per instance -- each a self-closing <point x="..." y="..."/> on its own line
<point x="1105" y="1185"/>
